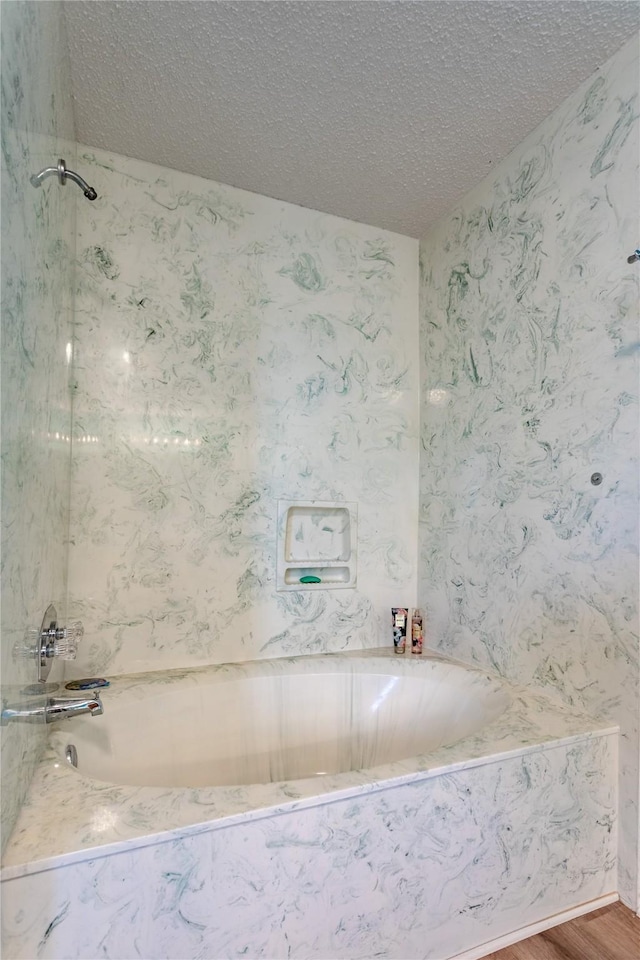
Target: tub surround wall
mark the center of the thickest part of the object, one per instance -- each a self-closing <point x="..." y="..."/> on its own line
<point x="529" y="386"/>
<point x="38" y="231"/>
<point x="233" y="351"/>
<point x="423" y="870"/>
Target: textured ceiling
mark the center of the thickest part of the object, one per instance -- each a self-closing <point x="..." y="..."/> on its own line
<point x="384" y="112"/>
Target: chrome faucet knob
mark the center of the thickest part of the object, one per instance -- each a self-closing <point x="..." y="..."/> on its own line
<point x="55" y="641"/>
<point x="66" y="641"/>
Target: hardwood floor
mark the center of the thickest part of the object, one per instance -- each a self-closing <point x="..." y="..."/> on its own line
<point x="612" y="933"/>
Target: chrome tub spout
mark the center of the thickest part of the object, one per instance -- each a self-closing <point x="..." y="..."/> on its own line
<point x="64" y="708"/>
<point x="51" y="709"/>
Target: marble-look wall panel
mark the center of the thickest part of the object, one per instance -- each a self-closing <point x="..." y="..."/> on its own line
<point x="425" y="870"/>
<point x="232" y="351"/>
<point x="530" y="351"/>
<point x="38" y="230"/>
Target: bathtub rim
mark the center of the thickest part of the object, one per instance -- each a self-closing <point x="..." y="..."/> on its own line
<point x="481" y="689"/>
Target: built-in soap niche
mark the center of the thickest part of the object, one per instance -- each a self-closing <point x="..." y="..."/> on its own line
<point x="316" y="545"/>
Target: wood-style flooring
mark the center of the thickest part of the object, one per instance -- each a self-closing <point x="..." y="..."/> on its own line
<point x="612" y="933"/>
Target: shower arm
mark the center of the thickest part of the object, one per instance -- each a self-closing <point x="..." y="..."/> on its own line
<point x="63" y="175"/>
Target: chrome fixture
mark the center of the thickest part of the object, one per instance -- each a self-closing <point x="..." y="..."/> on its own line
<point x="63" y="175"/>
<point x="55" y="641"/>
<point x="634" y="256"/>
<point x="50" y="709"/>
<point x="71" y="755"/>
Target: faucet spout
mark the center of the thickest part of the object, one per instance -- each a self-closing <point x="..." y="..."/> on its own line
<point x="51" y="709"/>
<point x="63" y="708"/>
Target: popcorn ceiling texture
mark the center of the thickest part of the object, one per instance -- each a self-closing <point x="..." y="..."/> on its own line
<point x="386" y="113"/>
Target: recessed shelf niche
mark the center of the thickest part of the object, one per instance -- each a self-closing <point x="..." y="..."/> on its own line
<point x="316" y="539"/>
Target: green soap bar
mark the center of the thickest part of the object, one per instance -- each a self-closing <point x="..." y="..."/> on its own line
<point x="310" y="580"/>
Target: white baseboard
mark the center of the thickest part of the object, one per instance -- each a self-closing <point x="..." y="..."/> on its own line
<point x="476" y="953"/>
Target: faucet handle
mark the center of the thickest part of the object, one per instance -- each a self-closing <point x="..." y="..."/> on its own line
<point x="66" y="642"/>
<point x="55" y="641"/>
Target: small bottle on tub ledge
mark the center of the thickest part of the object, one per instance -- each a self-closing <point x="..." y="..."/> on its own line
<point x="399" y="620"/>
<point x="417" y="632"/>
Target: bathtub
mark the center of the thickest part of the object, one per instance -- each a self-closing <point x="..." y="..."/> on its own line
<point x="269" y="722"/>
<point x="345" y="805"/>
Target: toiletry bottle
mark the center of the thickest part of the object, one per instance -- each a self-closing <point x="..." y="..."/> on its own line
<point x="399" y="619"/>
<point x="417" y="632"/>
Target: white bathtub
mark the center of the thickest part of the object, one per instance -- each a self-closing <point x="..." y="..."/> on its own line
<point x="347" y="805"/>
<point x="289" y="720"/>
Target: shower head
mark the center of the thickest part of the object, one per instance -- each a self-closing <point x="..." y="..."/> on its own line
<point x="63" y="175"/>
<point x="88" y="191"/>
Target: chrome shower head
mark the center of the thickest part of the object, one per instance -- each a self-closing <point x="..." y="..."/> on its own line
<point x="63" y="175"/>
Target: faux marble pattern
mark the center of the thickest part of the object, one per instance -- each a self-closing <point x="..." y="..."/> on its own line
<point x="529" y="385"/>
<point x="234" y="351"/>
<point x="95" y="814"/>
<point x="38" y="232"/>
<point x="425" y="870"/>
